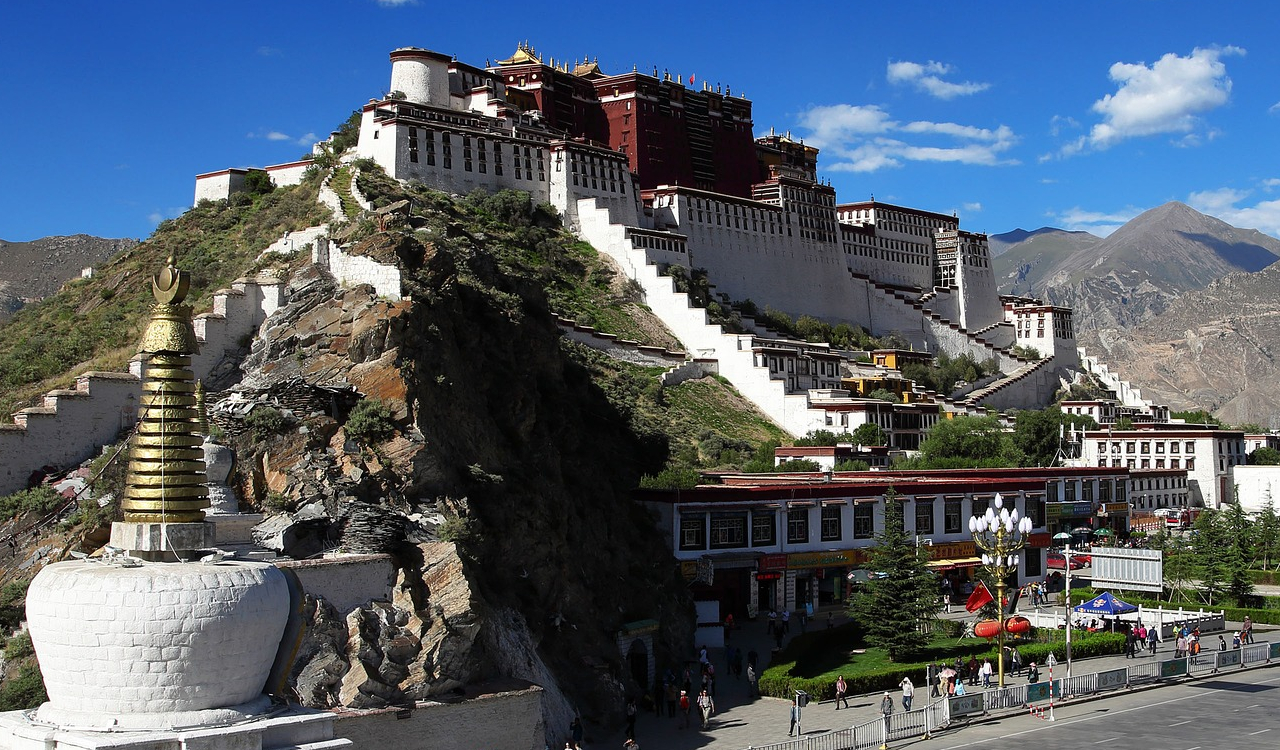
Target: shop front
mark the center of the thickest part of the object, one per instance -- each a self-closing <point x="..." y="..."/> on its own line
<point x="1114" y="516"/>
<point x="1074" y="518"/>
<point x="820" y="579"/>
<point x="726" y="578"/>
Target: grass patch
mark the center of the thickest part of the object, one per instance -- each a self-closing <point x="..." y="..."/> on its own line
<point x="812" y="661"/>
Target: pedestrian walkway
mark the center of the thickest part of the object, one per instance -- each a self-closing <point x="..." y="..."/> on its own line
<point x="741" y="722"/>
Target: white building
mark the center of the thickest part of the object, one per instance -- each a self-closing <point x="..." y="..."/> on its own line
<point x="1206" y="455"/>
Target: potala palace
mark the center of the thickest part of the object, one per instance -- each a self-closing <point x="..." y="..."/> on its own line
<point x="657" y="173"/>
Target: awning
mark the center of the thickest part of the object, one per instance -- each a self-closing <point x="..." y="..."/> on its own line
<point x="954" y="562"/>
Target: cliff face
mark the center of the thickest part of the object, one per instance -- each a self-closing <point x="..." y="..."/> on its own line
<point x="503" y="430"/>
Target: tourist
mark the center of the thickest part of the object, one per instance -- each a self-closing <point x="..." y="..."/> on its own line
<point x="973" y="670"/>
<point x="842" y="690"/>
<point x="728" y="627"/>
<point x="908" y="692"/>
<point x="752" y="692"/>
<point x="1153" y="637"/>
<point x="773" y="622"/>
<point x="1222" y="641"/>
<point x="707" y="707"/>
<point x="631" y="718"/>
<point x="886" y="710"/>
<point x="786" y="621"/>
<point x="685" y="707"/>
<point x="795" y="717"/>
<point x="959" y="687"/>
<point x="831" y="620"/>
<point x="673" y="698"/>
<point x="931" y="679"/>
<point x="575" y="731"/>
<point x="986" y="673"/>
<point x="1246" y="630"/>
<point x="1033" y="674"/>
<point x="630" y="744"/>
<point x="1180" y="646"/>
<point x="1016" y="660"/>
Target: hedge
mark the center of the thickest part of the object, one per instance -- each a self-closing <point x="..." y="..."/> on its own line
<point x="779" y="682"/>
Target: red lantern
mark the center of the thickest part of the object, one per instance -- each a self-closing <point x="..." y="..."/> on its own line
<point x="987" y="629"/>
<point x="1017" y="625"/>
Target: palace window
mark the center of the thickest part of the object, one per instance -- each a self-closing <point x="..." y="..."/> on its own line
<point x="831" y="516"/>
<point x="951" y="517"/>
<point x="863" y="521"/>
<point x="693" y="531"/>
<point x="728" y="530"/>
<point x="924" y="516"/>
<point x="798" y="526"/>
<point x="763" y="528"/>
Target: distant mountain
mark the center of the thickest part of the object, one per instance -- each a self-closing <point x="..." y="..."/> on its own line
<point x="33" y="270"/>
<point x="1132" y="275"/>
<point x="1216" y="349"/>
<point x="1000" y="244"/>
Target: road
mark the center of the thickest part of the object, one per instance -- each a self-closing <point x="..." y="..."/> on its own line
<point x="1231" y="711"/>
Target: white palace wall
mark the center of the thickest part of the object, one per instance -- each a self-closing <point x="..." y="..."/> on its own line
<point x="509" y="720"/>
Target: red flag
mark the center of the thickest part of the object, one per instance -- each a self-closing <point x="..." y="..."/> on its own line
<point x="691" y="79"/>
<point x="980" y="596"/>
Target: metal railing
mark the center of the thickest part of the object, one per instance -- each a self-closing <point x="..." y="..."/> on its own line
<point x="923" y="722"/>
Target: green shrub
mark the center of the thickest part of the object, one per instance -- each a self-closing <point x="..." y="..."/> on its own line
<point x="19" y="647"/>
<point x="38" y="500"/>
<point x="25" y="691"/>
<point x="370" y="422"/>
<point x="673" y="478"/>
<point x="12" y="604"/>
<point x="266" y="421"/>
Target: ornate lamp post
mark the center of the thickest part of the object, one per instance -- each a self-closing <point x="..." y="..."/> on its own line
<point x="1000" y="533"/>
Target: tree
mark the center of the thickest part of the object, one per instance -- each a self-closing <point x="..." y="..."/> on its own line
<point x="1267" y="535"/>
<point x="1210" y="562"/>
<point x="798" y="464"/>
<point x="1199" y="416"/>
<point x="893" y="608"/>
<point x="884" y="394"/>
<point x="1238" y="552"/>
<point x="967" y="442"/>
<point x="1265" y="456"/>
<point x="1124" y="423"/>
<point x="1038" y="433"/>
<point x="869" y="434"/>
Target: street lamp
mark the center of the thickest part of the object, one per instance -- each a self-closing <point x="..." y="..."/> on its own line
<point x="1000" y="533"/>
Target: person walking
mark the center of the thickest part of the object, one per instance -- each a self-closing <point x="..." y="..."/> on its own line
<point x="1015" y="660"/>
<point x="708" y="707"/>
<point x="842" y="689"/>
<point x="631" y="719"/>
<point x="685" y="707"/>
<point x="886" y="710"/>
<point x="1153" y="638"/>
<point x="575" y="731"/>
<point x="1246" y="630"/>
<point x="908" y="692"/>
<point x="1033" y="674"/>
<point x="973" y="670"/>
<point x="672" y="695"/>
<point x="752" y="691"/>
<point x="931" y="678"/>
<point x="795" y="717"/>
<point x="986" y="673"/>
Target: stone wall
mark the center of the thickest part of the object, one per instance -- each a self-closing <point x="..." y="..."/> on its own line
<point x="71" y="424"/>
<point x="352" y="270"/>
<point x="618" y="348"/>
<point x="510" y="720"/>
<point x="346" y="582"/>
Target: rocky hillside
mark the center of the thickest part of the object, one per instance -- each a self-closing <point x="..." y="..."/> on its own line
<point x="1137" y="271"/>
<point x="31" y="271"/>
<point x="1216" y="349"/>
<point x="460" y="432"/>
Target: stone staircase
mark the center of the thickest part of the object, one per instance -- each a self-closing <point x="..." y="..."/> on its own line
<point x="71" y="424"/>
<point x="701" y="338"/>
<point x="1001" y="387"/>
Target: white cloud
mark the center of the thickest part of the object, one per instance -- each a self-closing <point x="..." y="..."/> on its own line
<point x="1094" y="222"/>
<point x="306" y="139"/>
<point x="866" y="138"/>
<point x="160" y="214"/>
<point x="1274" y="108"/>
<point x="972" y="207"/>
<point x="927" y="78"/>
<point x="396" y="3"/>
<point x="1270" y="183"/>
<point x="1166" y="97"/>
<point x="1224" y="203"/>
<point x="266" y="51"/>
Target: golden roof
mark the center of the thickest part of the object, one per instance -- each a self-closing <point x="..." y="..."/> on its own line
<point x="524" y="55"/>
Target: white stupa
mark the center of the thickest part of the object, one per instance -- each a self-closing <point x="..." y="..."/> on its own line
<point x="162" y="642"/>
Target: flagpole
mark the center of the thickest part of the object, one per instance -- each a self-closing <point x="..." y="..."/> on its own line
<point x="1066" y="597"/>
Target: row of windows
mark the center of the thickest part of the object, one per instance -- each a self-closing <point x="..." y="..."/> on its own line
<point x="1144" y="446"/>
<point x="475" y="154"/>
<point x="727" y="530"/>
<point x="1146" y="463"/>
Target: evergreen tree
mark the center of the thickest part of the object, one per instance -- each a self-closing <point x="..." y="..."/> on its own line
<point x="1267" y="536"/>
<point x="1239" y="552"/>
<point x="894" y="608"/>
<point x="1210" y="561"/>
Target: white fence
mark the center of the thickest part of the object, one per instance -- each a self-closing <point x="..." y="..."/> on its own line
<point x="941" y="714"/>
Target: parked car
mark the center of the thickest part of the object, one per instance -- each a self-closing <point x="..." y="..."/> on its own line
<point x="1058" y="560"/>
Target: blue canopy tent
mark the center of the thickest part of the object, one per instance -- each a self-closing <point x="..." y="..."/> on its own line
<point x="1104" y="604"/>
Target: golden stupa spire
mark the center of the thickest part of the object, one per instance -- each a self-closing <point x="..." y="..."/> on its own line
<point x="165" y="481"/>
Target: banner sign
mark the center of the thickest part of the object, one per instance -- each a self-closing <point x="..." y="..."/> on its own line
<point x="827" y="559"/>
<point x="961" y="705"/>
<point x="1229" y="658"/>
<point x="1113" y="678"/>
<point x="1173" y="667"/>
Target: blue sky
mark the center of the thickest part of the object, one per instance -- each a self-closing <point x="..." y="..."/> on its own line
<point x="1012" y="114"/>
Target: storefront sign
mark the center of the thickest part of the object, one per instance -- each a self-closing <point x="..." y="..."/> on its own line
<point x="1039" y="541"/>
<point x="771" y="575"/>
<point x="701" y="571"/>
<point x="799" y="560"/>
<point x="1068" y="510"/>
<point x="773" y="562"/>
<point x="947" y="550"/>
<point x="1116" y="509"/>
